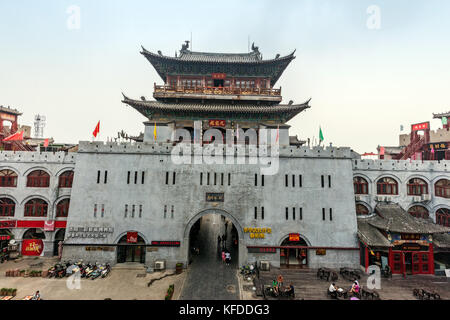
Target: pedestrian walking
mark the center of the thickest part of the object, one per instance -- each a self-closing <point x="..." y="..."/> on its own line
<point x="223" y="256"/>
<point x="227" y="258"/>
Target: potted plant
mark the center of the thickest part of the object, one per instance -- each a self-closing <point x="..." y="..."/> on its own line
<point x="13" y="292"/>
<point x="169" y="293"/>
<point x="3" y="292"/>
<point x="178" y="268"/>
<point x="22" y="272"/>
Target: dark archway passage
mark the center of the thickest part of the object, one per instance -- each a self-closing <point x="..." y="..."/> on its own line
<point x="208" y="277"/>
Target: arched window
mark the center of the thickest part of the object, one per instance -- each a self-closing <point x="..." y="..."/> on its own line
<point x="443" y="217"/>
<point x="38" y="179"/>
<point x="361" y="209"/>
<point x="8" y="178"/>
<point x="36" y="208"/>
<point x="417" y="187"/>
<point x="418" y="212"/>
<point x="387" y="186"/>
<point x="66" y="179"/>
<point x="360" y="185"/>
<point x="62" y="208"/>
<point x="442" y="188"/>
<point x="34" y="233"/>
<point x="7" y="207"/>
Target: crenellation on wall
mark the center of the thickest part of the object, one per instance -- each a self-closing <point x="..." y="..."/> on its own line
<point x="401" y="165"/>
<point x="167" y="148"/>
<point x="36" y="156"/>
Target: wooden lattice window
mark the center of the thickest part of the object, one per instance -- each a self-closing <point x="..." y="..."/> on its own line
<point x="417" y="187"/>
<point x="62" y="208"/>
<point x="36" y="208"/>
<point x="360" y="185"/>
<point x="38" y="179"/>
<point x="442" y="188"/>
<point x="387" y="186"/>
<point x="443" y="217"/>
<point x="7" y="207"/>
<point x="66" y="179"/>
<point x="418" y="212"/>
<point x="8" y="178"/>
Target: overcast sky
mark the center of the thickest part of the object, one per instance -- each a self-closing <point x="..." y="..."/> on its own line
<point x="366" y="77"/>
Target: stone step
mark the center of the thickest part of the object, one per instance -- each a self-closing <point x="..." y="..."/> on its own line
<point x="130" y="266"/>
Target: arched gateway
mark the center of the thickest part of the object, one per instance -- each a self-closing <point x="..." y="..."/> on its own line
<point x="242" y="249"/>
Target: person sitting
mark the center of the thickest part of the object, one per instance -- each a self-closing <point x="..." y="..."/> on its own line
<point x="36" y="296"/>
<point x="332" y="290"/>
<point x="280" y="281"/>
<point x="290" y="291"/>
<point x="275" y="287"/>
<point x="354" y="290"/>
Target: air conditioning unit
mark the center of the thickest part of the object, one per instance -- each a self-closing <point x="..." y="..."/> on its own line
<point x="388" y="199"/>
<point x="416" y="199"/>
<point x="358" y="198"/>
<point x="426" y="197"/>
<point x="160" y="265"/>
<point x="378" y="198"/>
<point x="265" y="265"/>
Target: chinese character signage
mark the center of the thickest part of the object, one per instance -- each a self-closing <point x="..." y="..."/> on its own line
<point x="420" y="126"/>
<point x="294" y="237"/>
<point x="166" y="243"/>
<point x="437" y="146"/>
<point x="7" y="224"/>
<point x="321" y="252"/>
<point x="217" y="123"/>
<point x="262" y="250"/>
<point x="33" y="247"/>
<point x="257" y="233"/>
<point x="218" y="75"/>
<point x="132" y="237"/>
<point x="214" y="197"/>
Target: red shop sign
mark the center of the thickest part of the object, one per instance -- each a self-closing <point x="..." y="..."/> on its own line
<point x="219" y="75"/>
<point x="217" y="123"/>
<point x="132" y="237"/>
<point x="294" y="237"/>
<point x="33" y="247"/>
<point x="420" y="126"/>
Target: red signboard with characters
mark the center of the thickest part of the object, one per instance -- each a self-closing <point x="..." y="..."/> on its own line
<point x="294" y="237"/>
<point x="166" y="243"/>
<point x="218" y="75"/>
<point x="217" y="123"/>
<point x="420" y="126"/>
<point x="132" y="237"/>
<point x="32" y="247"/>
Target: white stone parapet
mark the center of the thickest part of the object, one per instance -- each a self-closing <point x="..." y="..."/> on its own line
<point x="36" y="156"/>
<point x="166" y="148"/>
<point x="401" y="165"/>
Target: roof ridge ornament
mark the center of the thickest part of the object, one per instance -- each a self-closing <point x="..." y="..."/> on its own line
<point x="185" y="46"/>
<point x="255" y="50"/>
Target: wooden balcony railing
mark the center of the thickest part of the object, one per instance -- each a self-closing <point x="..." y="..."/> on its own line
<point x="217" y="90"/>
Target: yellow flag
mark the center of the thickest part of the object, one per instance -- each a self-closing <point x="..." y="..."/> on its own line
<point x="154" y="132"/>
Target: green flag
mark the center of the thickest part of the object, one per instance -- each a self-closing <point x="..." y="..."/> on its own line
<point x="320" y="134"/>
<point x="444" y="120"/>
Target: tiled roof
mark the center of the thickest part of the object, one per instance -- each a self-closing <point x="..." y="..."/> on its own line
<point x="219" y="57"/>
<point x="212" y="57"/>
<point x="440" y="115"/>
<point x="392" y="218"/>
<point x="442" y="240"/>
<point x="371" y="236"/>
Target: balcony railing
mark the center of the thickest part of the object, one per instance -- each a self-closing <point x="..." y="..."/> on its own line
<point x="217" y="90"/>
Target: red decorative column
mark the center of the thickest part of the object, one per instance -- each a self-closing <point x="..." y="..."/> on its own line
<point x="431" y="259"/>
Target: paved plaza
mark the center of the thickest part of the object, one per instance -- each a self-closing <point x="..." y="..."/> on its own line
<point x="208" y="278"/>
<point x="309" y="287"/>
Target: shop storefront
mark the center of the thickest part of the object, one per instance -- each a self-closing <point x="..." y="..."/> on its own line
<point x="131" y="248"/>
<point x="294" y="254"/>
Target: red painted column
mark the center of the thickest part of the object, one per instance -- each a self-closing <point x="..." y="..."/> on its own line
<point x="391" y="260"/>
<point x="431" y="259"/>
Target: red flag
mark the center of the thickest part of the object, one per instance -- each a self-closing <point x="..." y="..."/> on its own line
<point x="97" y="130"/>
<point x="381" y="151"/>
<point x="46" y="143"/>
<point x="16" y="136"/>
